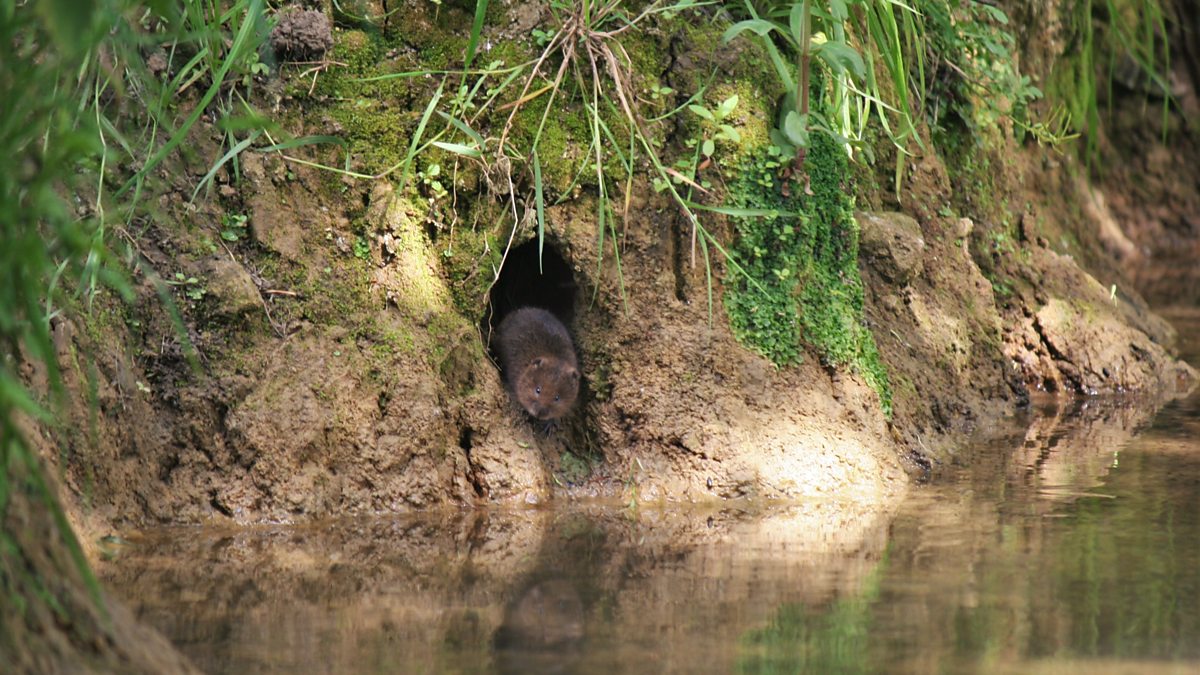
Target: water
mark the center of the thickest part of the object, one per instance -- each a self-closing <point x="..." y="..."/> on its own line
<point x="1070" y="544"/>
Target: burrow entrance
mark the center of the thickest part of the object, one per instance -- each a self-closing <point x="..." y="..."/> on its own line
<point x="551" y="287"/>
<point x="523" y="283"/>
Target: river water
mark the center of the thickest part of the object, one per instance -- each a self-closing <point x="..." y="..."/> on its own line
<point x="1069" y="542"/>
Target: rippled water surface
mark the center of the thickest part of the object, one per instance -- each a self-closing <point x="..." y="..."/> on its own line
<point x="1072" y="544"/>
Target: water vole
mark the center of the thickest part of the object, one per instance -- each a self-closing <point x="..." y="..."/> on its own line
<point x="538" y="360"/>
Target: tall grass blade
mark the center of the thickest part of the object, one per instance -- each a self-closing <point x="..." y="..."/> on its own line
<point x="244" y="40"/>
<point x="540" y="203"/>
<point x="233" y="152"/>
<point x="476" y="29"/>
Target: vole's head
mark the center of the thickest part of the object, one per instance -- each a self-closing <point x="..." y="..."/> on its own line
<point x="547" y="388"/>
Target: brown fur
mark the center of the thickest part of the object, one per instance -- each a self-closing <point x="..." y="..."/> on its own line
<point x="538" y="360"/>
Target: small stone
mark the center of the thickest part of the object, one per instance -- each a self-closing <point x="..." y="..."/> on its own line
<point x="891" y="243"/>
<point x="963" y="228"/>
<point x="156" y="62"/>
<point x="230" y="287"/>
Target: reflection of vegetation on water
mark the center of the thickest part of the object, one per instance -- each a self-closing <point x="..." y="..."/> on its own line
<point x="831" y="639"/>
<point x="1125" y="569"/>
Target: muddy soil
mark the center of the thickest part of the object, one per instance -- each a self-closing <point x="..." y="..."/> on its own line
<point x="596" y="588"/>
<point x="337" y="373"/>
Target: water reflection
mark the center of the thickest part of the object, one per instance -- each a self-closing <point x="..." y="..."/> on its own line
<point x="1073" y="545"/>
<point x="587" y="590"/>
<point x="542" y="629"/>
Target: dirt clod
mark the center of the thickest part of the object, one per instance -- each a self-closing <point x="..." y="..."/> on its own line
<point x="302" y="35"/>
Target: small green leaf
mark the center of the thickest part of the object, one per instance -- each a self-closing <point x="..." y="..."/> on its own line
<point x="756" y="26"/>
<point x="702" y="112"/>
<point x="796" y="21"/>
<point x="841" y="57"/>
<point x="838" y="10"/>
<point x="708" y="148"/>
<point x="795" y="127"/>
<point x="459" y="149"/>
<point x="996" y="13"/>
<point x="731" y="133"/>
<point x="778" y="140"/>
<point x="727" y="106"/>
<point x="462" y="126"/>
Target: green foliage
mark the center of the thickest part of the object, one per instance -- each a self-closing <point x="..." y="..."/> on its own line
<point x="802" y="280"/>
<point x="233" y="226"/>
<point x="192" y="288"/>
<point x="83" y="113"/>
<point x="848" y="38"/>
<point x="362" y="248"/>
<point x="1104" y="33"/>
<point x="975" y="75"/>
<point x="773" y="251"/>
<point x="45" y="249"/>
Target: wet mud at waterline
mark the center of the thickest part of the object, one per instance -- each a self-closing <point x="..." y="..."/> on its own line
<point x="1071" y="543"/>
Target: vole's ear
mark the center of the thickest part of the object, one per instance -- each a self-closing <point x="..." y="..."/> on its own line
<point x="536" y="363"/>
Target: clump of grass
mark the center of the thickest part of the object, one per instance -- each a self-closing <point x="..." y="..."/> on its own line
<point x="1106" y="32"/>
<point x="82" y="109"/>
<point x="971" y="52"/>
<point x="848" y="45"/>
<point x="582" y="63"/>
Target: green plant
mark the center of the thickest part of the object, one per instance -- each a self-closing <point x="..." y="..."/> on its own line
<point x="1106" y="32"/>
<point x="804" y="263"/>
<point x="192" y="288"/>
<point x="716" y="118"/>
<point x="971" y="57"/>
<point x="233" y="226"/>
<point x="430" y="177"/>
<point x="827" y="30"/>
<point x="83" y="114"/>
<point x="362" y="248"/>
<point x="702" y="146"/>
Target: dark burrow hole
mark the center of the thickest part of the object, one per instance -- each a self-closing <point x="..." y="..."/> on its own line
<point x="550" y="286"/>
<point x="466" y="441"/>
<point x="523" y="283"/>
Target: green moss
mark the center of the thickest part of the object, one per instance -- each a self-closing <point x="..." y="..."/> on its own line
<point x="573" y="469"/>
<point x="469" y="263"/>
<point x="376" y="115"/>
<point x="566" y="138"/>
<point x="751" y="72"/>
<point x="805" y="266"/>
<point x="340" y="295"/>
<point x="968" y="160"/>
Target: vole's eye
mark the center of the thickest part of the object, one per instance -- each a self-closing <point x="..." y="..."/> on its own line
<point x="557" y="398"/>
<point x="537" y="391"/>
